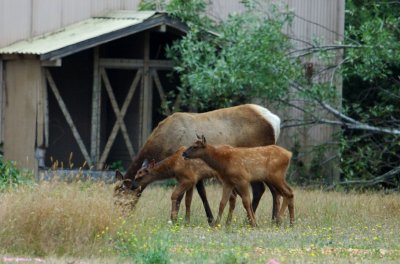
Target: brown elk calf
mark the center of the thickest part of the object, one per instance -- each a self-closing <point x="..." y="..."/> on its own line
<point x="187" y="174"/>
<point x="238" y="167"/>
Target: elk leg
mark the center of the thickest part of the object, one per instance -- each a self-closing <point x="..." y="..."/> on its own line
<point x="176" y="194"/>
<point x="287" y="194"/>
<point x="178" y="202"/>
<point x="282" y="210"/>
<point x="275" y="201"/>
<point x="203" y="196"/>
<point x="226" y="192"/>
<point x="291" y="211"/>
<point x="243" y="191"/>
<point x="188" y="202"/>
<point x="258" y="189"/>
<point x="232" y="204"/>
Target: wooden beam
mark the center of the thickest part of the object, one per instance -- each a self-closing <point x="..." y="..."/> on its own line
<point x="68" y="117"/>
<point x="52" y="63"/>
<point x="147" y="91"/>
<point x="40" y="116"/>
<point x="159" y="89"/>
<point x="46" y="109"/>
<point x="135" y="64"/>
<point x="18" y="57"/>
<point x="2" y="101"/>
<point x="162" y="28"/>
<point x="120" y="114"/>
<point x="96" y="110"/>
<point x="141" y="107"/>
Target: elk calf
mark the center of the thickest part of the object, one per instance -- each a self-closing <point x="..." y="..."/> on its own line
<point x="238" y="167"/>
<point x="186" y="173"/>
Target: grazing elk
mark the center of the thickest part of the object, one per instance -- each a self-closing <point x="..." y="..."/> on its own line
<point x="247" y="125"/>
<point x="187" y="174"/>
<point x="125" y="197"/>
<point x="238" y="167"/>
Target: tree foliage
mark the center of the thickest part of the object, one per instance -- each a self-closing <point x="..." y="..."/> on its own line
<point x="245" y="56"/>
<point x="249" y="56"/>
<point x="371" y="91"/>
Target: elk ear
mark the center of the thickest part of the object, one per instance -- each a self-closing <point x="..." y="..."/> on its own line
<point x="152" y="163"/>
<point x="198" y="137"/>
<point x="118" y="176"/>
<point x="203" y="139"/>
<point x="145" y="163"/>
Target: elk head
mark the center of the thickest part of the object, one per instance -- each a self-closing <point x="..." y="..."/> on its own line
<point x="195" y="150"/>
<point x="123" y="185"/>
<point x="124" y="196"/>
<point x="144" y="170"/>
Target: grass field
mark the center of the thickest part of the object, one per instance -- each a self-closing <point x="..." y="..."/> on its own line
<point x="62" y="223"/>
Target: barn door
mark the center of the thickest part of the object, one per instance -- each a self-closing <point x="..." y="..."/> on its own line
<point x="119" y="108"/>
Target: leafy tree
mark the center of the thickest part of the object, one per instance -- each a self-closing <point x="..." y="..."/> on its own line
<point x="249" y="56"/>
<point x="371" y="92"/>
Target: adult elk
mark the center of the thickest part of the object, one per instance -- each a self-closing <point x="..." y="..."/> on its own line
<point x="238" y="167"/>
<point x="247" y="125"/>
<point x="187" y="174"/>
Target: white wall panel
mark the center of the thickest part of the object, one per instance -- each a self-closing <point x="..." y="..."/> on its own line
<point x="20" y="19"/>
<point x="75" y="11"/>
<point x="15" y="20"/>
<point x="46" y="16"/>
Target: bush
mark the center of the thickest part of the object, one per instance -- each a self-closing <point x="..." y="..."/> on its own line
<point x="11" y="176"/>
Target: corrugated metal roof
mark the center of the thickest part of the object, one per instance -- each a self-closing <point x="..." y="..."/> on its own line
<point x="82" y="35"/>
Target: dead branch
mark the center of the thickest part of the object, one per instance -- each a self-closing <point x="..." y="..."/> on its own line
<point x="389" y="177"/>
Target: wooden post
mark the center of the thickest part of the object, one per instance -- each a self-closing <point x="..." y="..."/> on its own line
<point x="1" y="102"/>
<point x="96" y="111"/>
<point x="147" y="91"/>
<point x="45" y="109"/>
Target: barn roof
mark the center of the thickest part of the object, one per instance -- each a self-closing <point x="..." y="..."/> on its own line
<point x="91" y="32"/>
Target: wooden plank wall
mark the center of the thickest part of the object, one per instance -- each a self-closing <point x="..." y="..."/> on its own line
<point x="21" y="110"/>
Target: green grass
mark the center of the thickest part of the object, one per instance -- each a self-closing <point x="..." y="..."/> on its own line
<point x="78" y="221"/>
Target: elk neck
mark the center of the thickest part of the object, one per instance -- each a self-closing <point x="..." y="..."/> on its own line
<point x="215" y="156"/>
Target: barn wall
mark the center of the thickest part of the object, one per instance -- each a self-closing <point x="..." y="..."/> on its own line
<point x="27" y="18"/>
<point x="23" y="83"/>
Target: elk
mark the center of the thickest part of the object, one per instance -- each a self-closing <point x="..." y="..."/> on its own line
<point x="247" y="125"/>
<point x="238" y="167"/>
<point x="125" y="196"/>
<point x="187" y="174"/>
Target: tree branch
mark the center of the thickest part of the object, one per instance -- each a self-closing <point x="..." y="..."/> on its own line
<point x="353" y="124"/>
<point x="384" y="178"/>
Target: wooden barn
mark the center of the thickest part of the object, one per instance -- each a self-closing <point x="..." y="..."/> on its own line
<point x="82" y="82"/>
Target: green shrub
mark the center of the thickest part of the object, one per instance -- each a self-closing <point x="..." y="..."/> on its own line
<point x="11" y="176"/>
